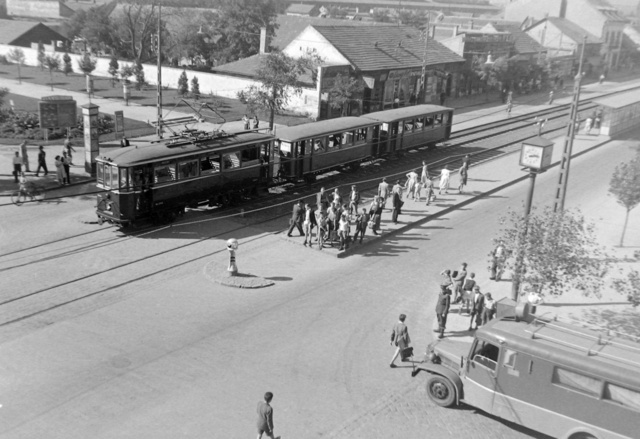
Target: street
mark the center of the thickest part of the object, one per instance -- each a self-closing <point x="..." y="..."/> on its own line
<point x="176" y="355"/>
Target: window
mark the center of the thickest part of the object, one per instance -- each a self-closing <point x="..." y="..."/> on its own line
<point x="509" y="359"/>
<point x="162" y="173"/>
<point x="100" y="173"/>
<point x="408" y="125"/>
<point x="347" y="138"/>
<point x="361" y="135"/>
<point x="438" y="120"/>
<point x="419" y="124"/>
<point x="188" y="169"/>
<point x="114" y="176"/>
<point x="620" y="395"/>
<point x="576" y="381"/>
<point x="486" y="354"/>
<point x="335" y="140"/>
<point x="285" y="149"/>
<point x="428" y="122"/>
<point x="250" y="154"/>
<point x="210" y="164"/>
<point x="319" y="145"/>
<point x="231" y="160"/>
<point x="124" y="178"/>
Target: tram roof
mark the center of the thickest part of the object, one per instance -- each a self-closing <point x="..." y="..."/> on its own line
<point x="137" y="154"/>
<point x="405" y="112"/>
<point x="619" y="100"/>
<point x="569" y="345"/>
<point x="323" y="127"/>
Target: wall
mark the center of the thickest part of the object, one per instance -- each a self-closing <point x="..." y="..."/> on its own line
<point x="310" y="40"/>
<point x="220" y="85"/>
<point x="522" y="9"/>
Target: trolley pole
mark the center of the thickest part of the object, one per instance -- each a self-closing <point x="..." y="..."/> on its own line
<point x="565" y="162"/>
<point x="159" y="67"/>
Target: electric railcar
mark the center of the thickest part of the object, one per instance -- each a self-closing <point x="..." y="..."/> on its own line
<point x="159" y="180"/>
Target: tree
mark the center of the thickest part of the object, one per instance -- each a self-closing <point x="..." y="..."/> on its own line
<point x="3" y="92"/>
<point x="249" y="16"/>
<point x="381" y="15"/>
<point x="41" y="55"/>
<point x="114" y="65"/>
<point x="625" y="186"/>
<point x="553" y="252"/>
<point x="125" y="72"/>
<point x="67" y="68"/>
<point x="189" y="34"/>
<point x="337" y="12"/>
<point x="133" y="26"/>
<point x="412" y="17"/>
<point x="138" y="71"/>
<point x="17" y="55"/>
<point x="93" y="26"/>
<point x="183" y="83"/>
<point x="278" y="75"/>
<point x="342" y="92"/>
<point x="195" y="88"/>
<point x="87" y="64"/>
<point x="52" y="62"/>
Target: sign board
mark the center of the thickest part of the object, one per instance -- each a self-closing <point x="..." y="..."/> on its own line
<point x="119" y="124"/>
<point x="536" y="153"/>
<point x="57" y="112"/>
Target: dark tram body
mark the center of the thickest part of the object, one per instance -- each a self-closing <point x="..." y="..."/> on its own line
<point x="159" y="180"/>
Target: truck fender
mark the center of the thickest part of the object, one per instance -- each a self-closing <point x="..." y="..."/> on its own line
<point x="438" y="369"/>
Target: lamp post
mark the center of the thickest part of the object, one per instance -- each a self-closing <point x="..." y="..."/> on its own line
<point x="535" y="157"/>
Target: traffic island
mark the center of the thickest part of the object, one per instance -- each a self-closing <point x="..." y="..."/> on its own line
<point x="213" y="272"/>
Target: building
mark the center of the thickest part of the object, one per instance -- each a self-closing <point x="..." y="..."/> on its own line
<point x="563" y="42"/>
<point x="597" y="17"/>
<point x="387" y="62"/>
<point x="29" y="34"/>
<point x="302" y="10"/>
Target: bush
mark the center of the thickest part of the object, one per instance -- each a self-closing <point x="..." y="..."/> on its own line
<point x="4" y="60"/>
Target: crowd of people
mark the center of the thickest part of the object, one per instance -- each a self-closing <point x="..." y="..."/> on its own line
<point x="63" y="162"/>
<point x="338" y="220"/>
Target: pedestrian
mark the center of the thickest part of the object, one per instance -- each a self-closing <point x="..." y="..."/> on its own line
<point x="498" y="256"/>
<point x="42" y="161"/>
<point x="66" y="166"/>
<point x="466" y="161"/>
<point x="323" y="231"/>
<point x="383" y="192"/>
<point x="551" y="97"/>
<point x="256" y="122"/>
<point x="417" y="196"/>
<point x="354" y="199"/>
<point x="308" y="224"/>
<point x="445" y="175"/>
<point x="458" y="281"/>
<point x="443" y="97"/>
<point x="17" y="166"/>
<point x="445" y="279"/>
<point x="265" y="416"/>
<point x="424" y="176"/>
<point x="412" y="179"/>
<point x="362" y="221"/>
<point x="462" y="173"/>
<point x="601" y="80"/>
<point x="477" y="308"/>
<point x="343" y="230"/>
<point x="429" y="192"/>
<point x="587" y="125"/>
<point x="337" y="199"/>
<point x="375" y="211"/>
<point x="69" y="148"/>
<point x="396" y="203"/>
<point x="245" y="120"/>
<point x="598" y="119"/>
<point x="59" y="170"/>
<point x="321" y="200"/>
<point x="509" y="106"/>
<point x="296" y="218"/>
<point x="442" y="309"/>
<point x="25" y="155"/>
<point x="489" y="309"/>
<point x="399" y="338"/>
<point x="467" y="292"/>
<point x="503" y="95"/>
<point x="332" y="220"/>
<point x="124" y="142"/>
<point x="22" y="188"/>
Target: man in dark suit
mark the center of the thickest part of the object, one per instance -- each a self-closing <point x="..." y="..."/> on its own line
<point x="442" y="309"/>
<point x="296" y="218"/>
<point x="477" y="306"/>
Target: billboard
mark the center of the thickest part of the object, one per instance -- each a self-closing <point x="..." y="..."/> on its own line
<point x="57" y="112"/>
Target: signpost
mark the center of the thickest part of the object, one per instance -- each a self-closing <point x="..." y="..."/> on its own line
<point x="119" y="124"/>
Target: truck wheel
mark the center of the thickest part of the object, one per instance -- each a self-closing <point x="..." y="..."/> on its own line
<point x="441" y="391"/>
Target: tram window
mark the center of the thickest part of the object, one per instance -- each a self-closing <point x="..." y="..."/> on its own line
<point x="136" y="177"/>
<point x="347" y="138"/>
<point x="445" y="118"/>
<point x="300" y="148"/>
<point x="335" y="140"/>
<point x="124" y="178"/>
<point x="577" y="381"/>
<point x="438" y="120"/>
<point x="209" y="165"/>
<point x="509" y="358"/>
<point x="114" y="176"/>
<point x="250" y="154"/>
<point x="361" y="134"/>
<point x="400" y="128"/>
<point x="100" y="173"/>
<point x="164" y="173"/>
<point x="188" y="169"/>
<point x="486" y="354"/>
<point x="285" y="149"/>
<point x="428" y="122"/>
<point x="408" y="125"/>
<point x="231" y="160"/>
<point x="319" y="145"/>
<point x="264" y="153"/>
<point x="620" y="395"/>
<point x="419" y="124"/>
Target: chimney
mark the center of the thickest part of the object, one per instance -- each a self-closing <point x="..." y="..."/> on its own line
<point x="263" y="40"/>
<point x="455" y="30"/>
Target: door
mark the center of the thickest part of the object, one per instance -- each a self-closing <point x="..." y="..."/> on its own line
<point x="480" y="378"/>
<point x="393" y="136"/>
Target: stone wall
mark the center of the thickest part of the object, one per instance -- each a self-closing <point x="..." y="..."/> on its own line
<point x="220" y="85"/>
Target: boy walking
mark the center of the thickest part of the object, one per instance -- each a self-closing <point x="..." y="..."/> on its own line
<point x="265" y="416"/>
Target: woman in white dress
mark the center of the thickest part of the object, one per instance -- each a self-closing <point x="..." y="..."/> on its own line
<point x="445" y="175"/>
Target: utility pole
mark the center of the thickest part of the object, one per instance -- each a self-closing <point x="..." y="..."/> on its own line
<point x="159" y="67"/>
<point x="423" y="76"/>
<point x="565" y="162"/>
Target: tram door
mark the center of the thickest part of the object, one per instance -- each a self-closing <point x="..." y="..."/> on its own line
<point x="303" y="156"/>
<point x="383" y="144"/>
<point x="394" y="138"/>
<point x="447" y="124"/>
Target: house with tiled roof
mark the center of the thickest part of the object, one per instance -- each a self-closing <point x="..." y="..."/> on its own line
<point x="563" y="40"/>
<point x="29" y="34"/>
<point x="387" y="62"/>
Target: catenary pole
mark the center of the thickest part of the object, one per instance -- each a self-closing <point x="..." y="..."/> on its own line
<point x="159" y="68"/>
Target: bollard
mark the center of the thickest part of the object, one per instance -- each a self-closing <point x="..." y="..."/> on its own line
<point x="232" y="246"/>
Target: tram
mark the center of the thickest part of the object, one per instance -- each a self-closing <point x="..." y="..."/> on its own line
<point x="159" y="180"/>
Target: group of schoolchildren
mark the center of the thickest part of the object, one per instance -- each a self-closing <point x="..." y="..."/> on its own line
<point x="481" y="308"/>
